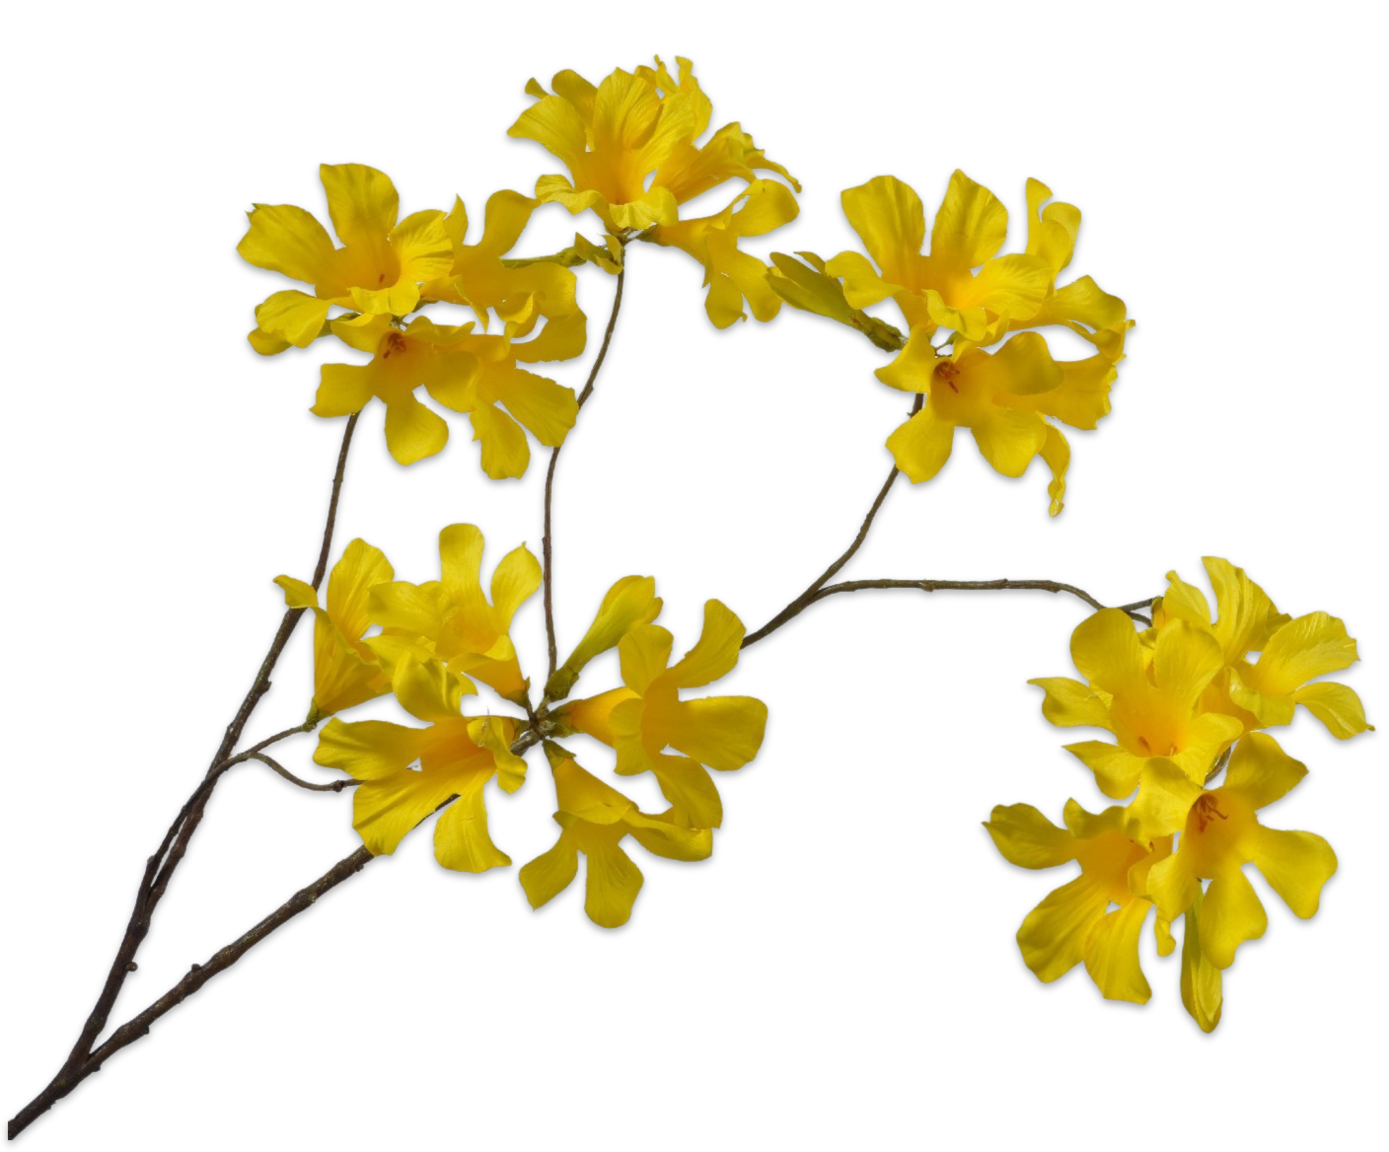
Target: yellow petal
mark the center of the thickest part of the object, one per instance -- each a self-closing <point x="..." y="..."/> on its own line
<point x="970" y="225"/>
<point x="669" y="840"/>
<point x="292" y="316"/>
<point x="554" y="124"/>
<point x="461" y="840"/>
<point x="644" y="654"/>
<point x="505" y="453"/>
<point x="1296" y="866"/>
<point x="723" y="732"/>
<point x="1008" y="439"/>
<point x="1116" y="771"/>
<point x="1051" y="231"/>
<point x="1336" y="706"/>
<point x="1173" y="886"/>
<point x="546" y="408"/>
<point x="297" y="593"/>
<point x="495" y="733"/>
<point x="889" y="218"/>
<point x="413" y="432"/>
<point x="1309" y="646"/>
<point x="360" y="569"/>
<point x="362" y="202"/>
<point x="550" y="873"/>
<point x="1165" y="797"/>
<point x="1071" y="704"/>
<point x="286" y="239"/>
<point x="1230" y="915"/>
<point x="1105" y="648"/>
<point x="691" y="791"/>
<point x="1027" y="838"/>
<point x="426" y="689"/>
<point x="1056" y="454"/>
<point x="369" y="749"/>
<point x="612" y="883"/>
<point x="1261" y="771"/>
<point x="716" y="653"/>
<point x="1247" y="615"/>
<point x="1052" y="937"/>
<point x="922" y="445"/>
<point x="1185" y="661"/>
<point x="1111" y="954"/>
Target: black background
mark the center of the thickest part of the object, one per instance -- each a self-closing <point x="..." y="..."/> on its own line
<point x="846" y="956"/>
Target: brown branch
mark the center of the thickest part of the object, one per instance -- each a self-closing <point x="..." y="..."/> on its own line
<point x="811" y="594"/>
<point x="159" y="868"/>
<point x="546" y="549"/>
<point x="73" y="1075"/>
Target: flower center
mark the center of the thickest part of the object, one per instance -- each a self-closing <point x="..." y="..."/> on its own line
<point x="393" y="342"/>
<point x="948" y="373"/>
<point x="1206" y="809"/>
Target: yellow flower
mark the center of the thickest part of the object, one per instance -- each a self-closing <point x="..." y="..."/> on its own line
<point x="463" y="371"/>
<point x="999" y="396"/>
<point x="456" y="757"/>
<point x="521" y="296"/>
<point x="647" y="716"/>
<point x="452" y="618"/>
<point x="730" y="275"/>
<point x="346" y="671"/>
<point x="595" y="819"/>
<point x="1150" y="701"/>
<point x="1073" y="924"/>
<point x="629" y="145"/>
<point x="941" y="289"/>
<point x="377" y="272"/>
<point x="1266" y="692"/>
<point x="1219" y="834"/>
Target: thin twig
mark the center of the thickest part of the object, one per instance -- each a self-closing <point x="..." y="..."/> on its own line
<point x="275" y="765"/>
<point x="811" y="594"/>
<point x="159" y="868"/>
<point x="546" y="549"/>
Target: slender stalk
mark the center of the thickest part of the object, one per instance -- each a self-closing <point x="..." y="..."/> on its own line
<point x="159" y="868"/>
<point x="280" y="769"/>
<point x="546" y="546"/>
<point x="796" y="607"/>
<point x="197" y="976"/>
<point x="801" y="602"/>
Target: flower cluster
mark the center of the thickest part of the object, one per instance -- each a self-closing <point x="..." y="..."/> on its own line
<point x="1185" y="701"/>
<point x="432" y="643"/>
<point x="959" y="298"/>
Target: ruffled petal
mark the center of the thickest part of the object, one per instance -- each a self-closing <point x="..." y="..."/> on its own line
<point x="922" y="445"/>
<point x="1309" y="646"/>
<point x="1261" y="771"/>
<point x="1027" y="838"/>
<point x="1201" y="980"/>
<point x="288" y="240"/>
<point x="1230" y="915"/>
<point x="723" y="732"/>
<point x="891" y="221"/>
<point x="1052" y="937"/>
<point x="1295" y="864"/>
<point x="1106" y="649"/>
<point x="362" y="202"/>
<point x="551" y="872"/>
<point x="1116" y="771"/>
<point x="644" y="654"/>
<point x="1071" y="704"/>
<point x="1111" y="954"/>
<point x="461" y="840"/>
<point x="969" y="227"/>
<point x="293" y="316"/>
<point x="1336" y="706"/>
<point x="716" y="653"/>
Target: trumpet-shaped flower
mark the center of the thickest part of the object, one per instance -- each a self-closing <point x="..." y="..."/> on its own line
<point x="647" y="716"/>
<point x="595" y="819"/>
<point x="629" y="145"/>
<point x="941" y="289"/>
<point x="521" y="297"/>
<point x="731" y="276"/>
<point x="1219" y="834"/>
<point x="452" y="617"/>
<point x="463" y="371"/>
<point x="1151" y="702"/>
<point x="407" y="773"/>
<point x="376" y="272"/>
<point x="1073" y="924"/>
<point x="1001" y="397"/>
<point x="1292" y="653"/>
<point x="346" y="671"/>
<point x="628" y="603"/>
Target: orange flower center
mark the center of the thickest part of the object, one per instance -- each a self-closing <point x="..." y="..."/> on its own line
<point x="948" y="373"/>
<point x="391" y="343"/>
<point x="1205" y="810"/>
